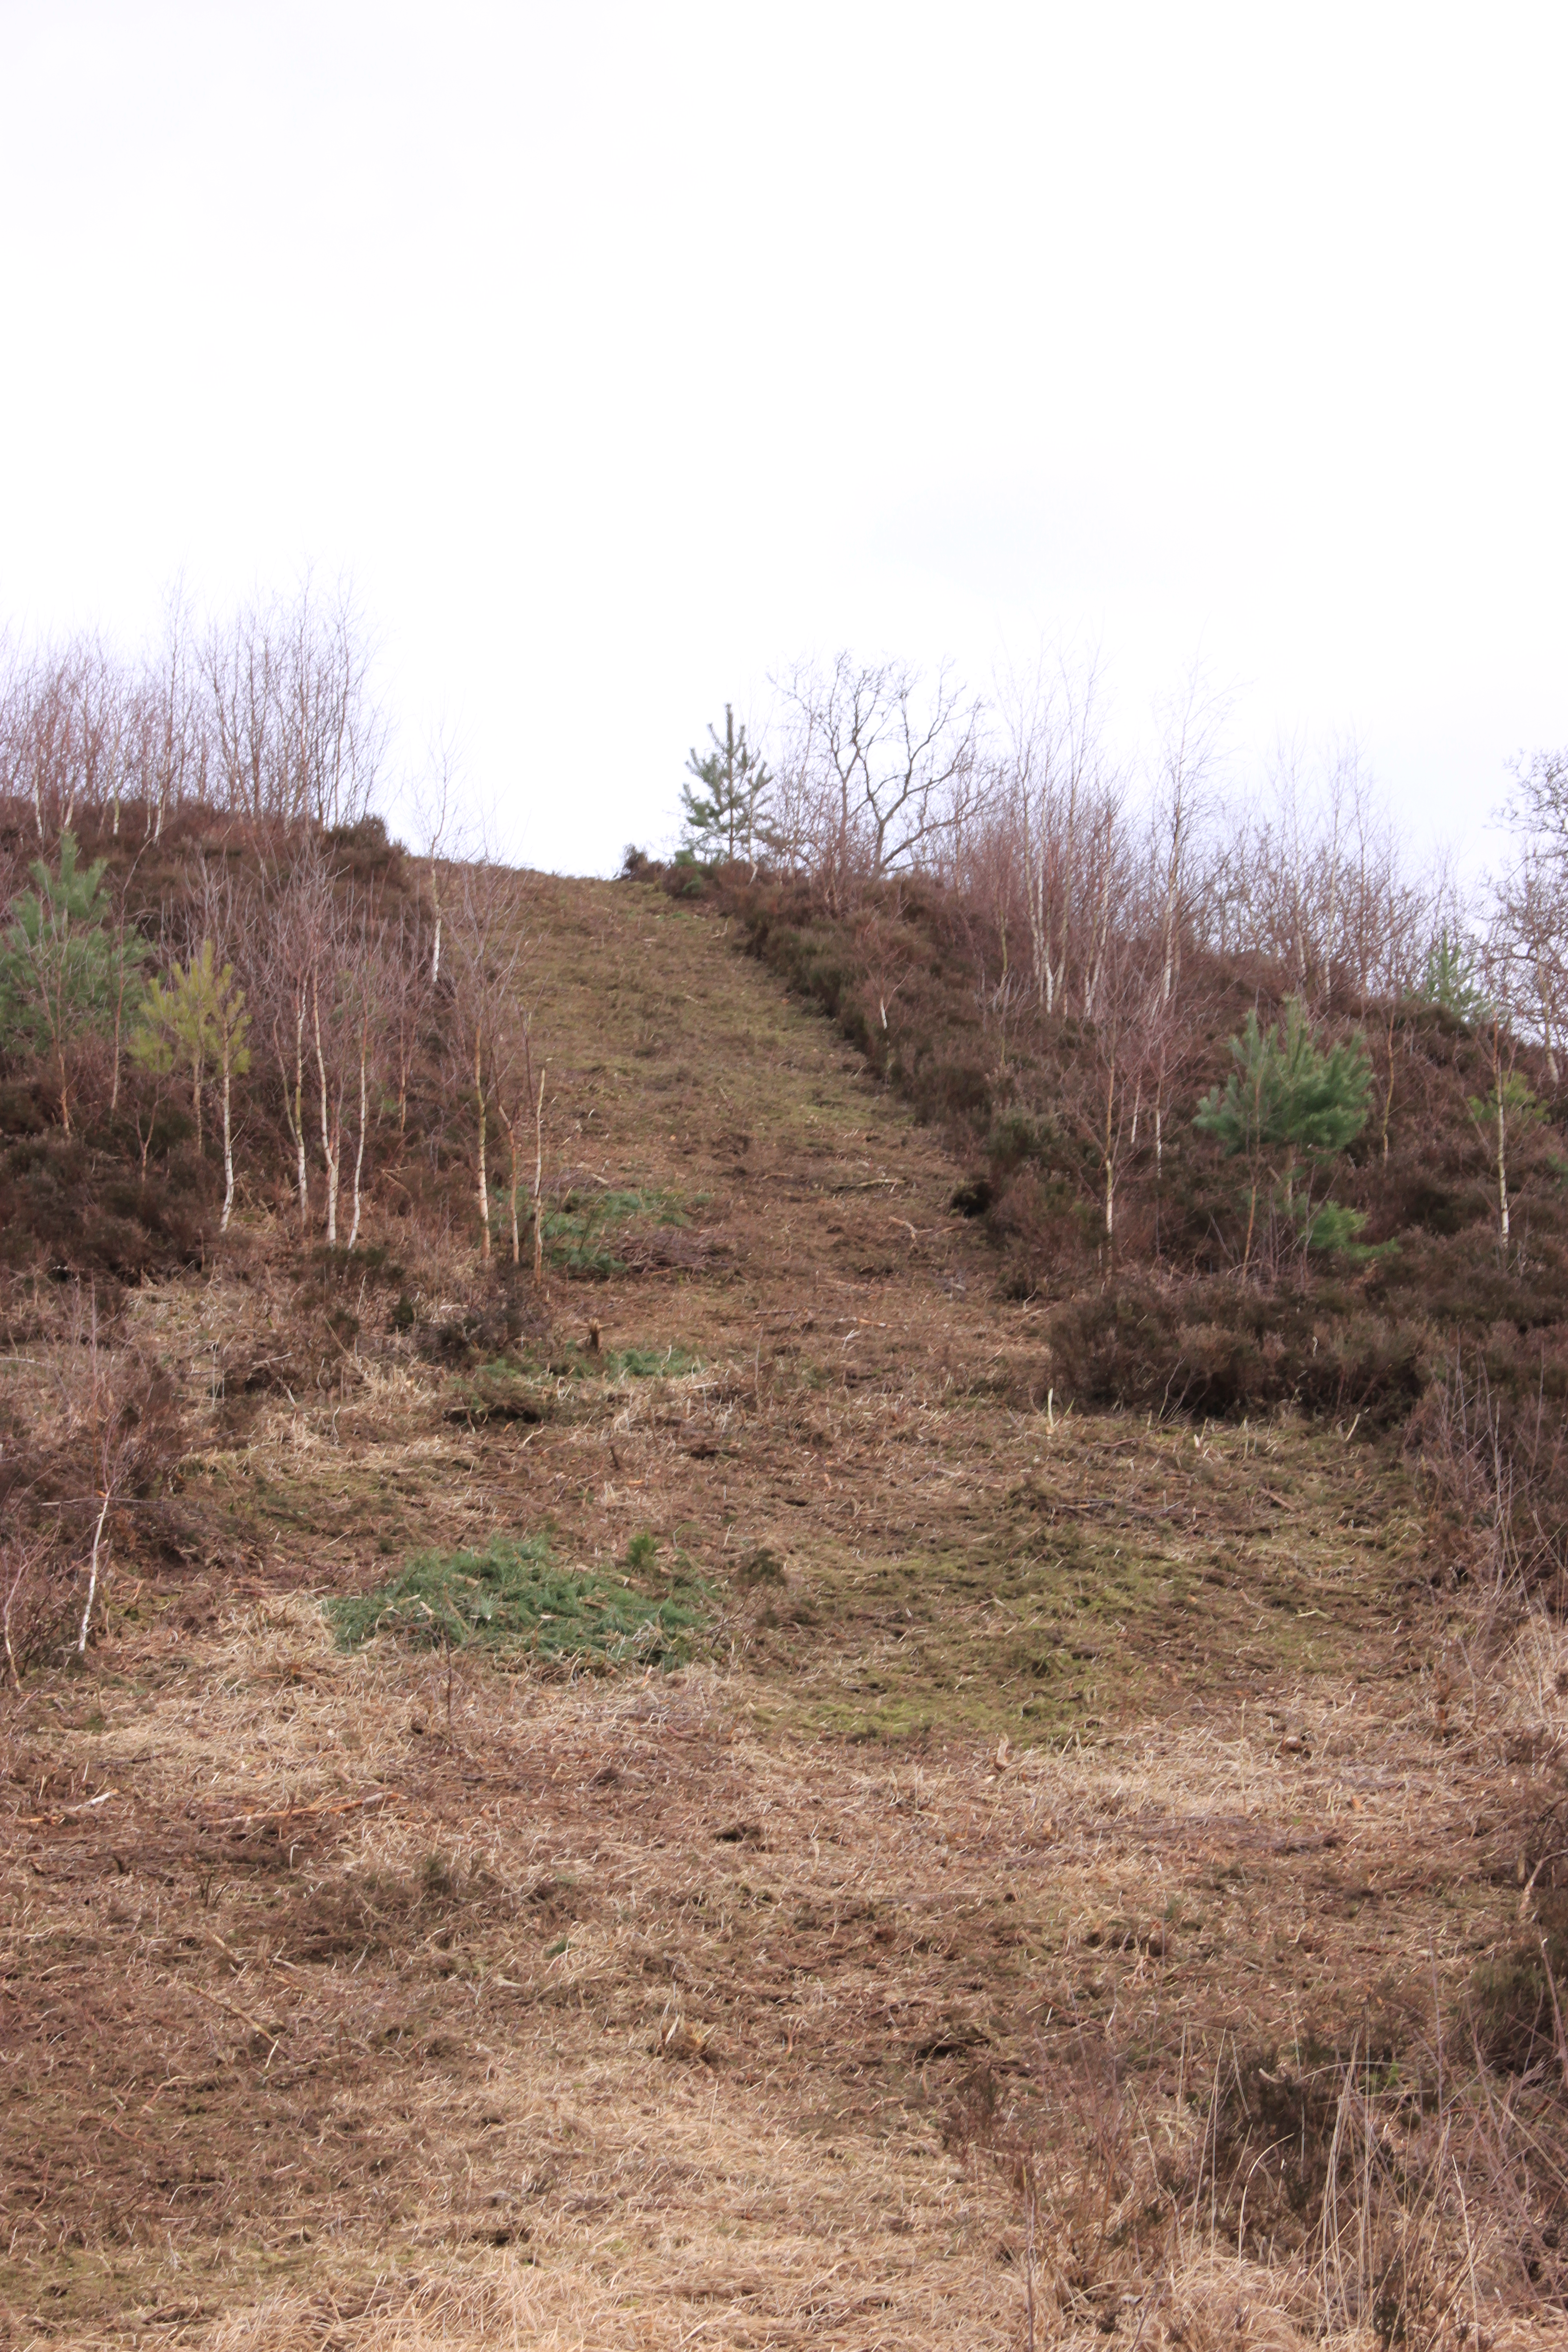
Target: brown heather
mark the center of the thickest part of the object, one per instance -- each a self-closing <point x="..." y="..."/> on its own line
<point x="1099" y="1879"/>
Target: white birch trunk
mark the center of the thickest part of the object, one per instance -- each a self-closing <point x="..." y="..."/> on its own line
<point x="484" y="1181"/>
<point x="539" y="1185"/>
<point x="92" y="1574"/>
<point x="331" y="1142"/>
<point x="228" y="1149"/>
<point x="359" y="1152"/>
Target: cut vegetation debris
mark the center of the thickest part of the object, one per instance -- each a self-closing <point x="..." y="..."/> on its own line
<point x="581" y="1235"/>
<point x="534" y="1393"/>
<point x="512" y="1599"/>
<point x="651" y="1363"/>
<point x="1103" y="1864"/>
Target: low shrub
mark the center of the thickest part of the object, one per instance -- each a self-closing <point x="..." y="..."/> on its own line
<point x="1516" y="1994"/>
<point x="1223" y="1348"/>
<point x="582" y="1231"/>
<point x="512" y="1599"/>
<point x="1407" y="1210"/>
<point x="1491" y="1451"/>
<point x="760" y="1567"/>
<point x="38" y="1599"/>
<point x="497" y="1392"/>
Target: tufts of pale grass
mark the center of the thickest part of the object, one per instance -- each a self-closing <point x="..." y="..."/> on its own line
<point x="1530" y="1683"/>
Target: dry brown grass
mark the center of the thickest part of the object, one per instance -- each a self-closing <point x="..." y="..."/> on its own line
<point x="1054" y="1779"/>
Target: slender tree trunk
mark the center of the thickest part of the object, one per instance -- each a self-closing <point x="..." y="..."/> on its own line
<point x="92" y="1572"/>
<point x="294" y="1109"/>
<point x="484" y="1181"/>
<point x="1543" y="998"/>
<point x="1158" y="1156"/>
<point x="1101" y="935"/>
<point x="363" y="1115"/>
<point x="228" y="1147"/>
<point x="302" y="1172"/>
<point x="100" y="1451"/>
<point x="539" y="1186"/>
<point x="1035" y="899"/>
<point x="5" y="1620"/>
<point x="330" y="1140"/>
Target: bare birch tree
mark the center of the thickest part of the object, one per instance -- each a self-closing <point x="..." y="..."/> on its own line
<point x="520" y="1094"/>
<point x="489" y="951"/>
<point x="1530" y="927"/>
<point x="879" y="759"/>
<point x="294" y="927"/>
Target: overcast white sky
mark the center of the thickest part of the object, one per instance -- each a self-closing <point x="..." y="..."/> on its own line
<point x="622" y="352"/>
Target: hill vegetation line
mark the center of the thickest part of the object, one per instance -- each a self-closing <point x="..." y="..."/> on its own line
<point x="1265" y="1111"/>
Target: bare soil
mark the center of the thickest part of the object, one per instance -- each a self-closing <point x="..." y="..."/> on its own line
<point x="398" y="1997"/>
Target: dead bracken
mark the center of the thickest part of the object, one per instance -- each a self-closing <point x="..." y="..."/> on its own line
<point x="1063" y="1869"/>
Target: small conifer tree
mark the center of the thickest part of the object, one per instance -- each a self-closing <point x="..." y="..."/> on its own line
<point x="1289" y="1105"/>
<point x="1499" y="1119"/>
<point x="198" y="1021"/>
<point x="724" y="801"/>
<point x="63" y="971"/>
<point x="1449" y="980"/>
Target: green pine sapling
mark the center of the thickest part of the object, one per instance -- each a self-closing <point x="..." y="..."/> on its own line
<point x="722" y="802"/>
<point x="1288" y="1105"/>
<point x="1450" y="980"/>
<point x="64" y="972"/>
<point x="198" y="1021"/>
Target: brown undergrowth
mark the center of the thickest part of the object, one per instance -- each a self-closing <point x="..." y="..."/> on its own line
<point x="1089" y="1864"/>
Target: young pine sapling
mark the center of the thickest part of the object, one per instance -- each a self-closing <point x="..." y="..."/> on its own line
<point x="197" y="1020"/>
<point x="64" y="972"/>
<point x="1287" y="1106"/>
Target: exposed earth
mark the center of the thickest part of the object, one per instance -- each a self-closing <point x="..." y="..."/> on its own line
<point x="1020" y="1772"/>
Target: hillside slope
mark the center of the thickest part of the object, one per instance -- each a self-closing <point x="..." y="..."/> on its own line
<point x="1009" y="1770"/>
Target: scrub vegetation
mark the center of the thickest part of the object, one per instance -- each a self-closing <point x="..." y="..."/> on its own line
<point x="692" y="1656"/>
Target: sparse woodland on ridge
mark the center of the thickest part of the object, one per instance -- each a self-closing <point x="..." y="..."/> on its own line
<point x="1266" y="1113"/>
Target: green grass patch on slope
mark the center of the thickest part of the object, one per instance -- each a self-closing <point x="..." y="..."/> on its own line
<point x="650" y="1363"/>
<point x="512" y="1597"/>
<point x="579" y="1234"/>
<point x="505" y="1391"/>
